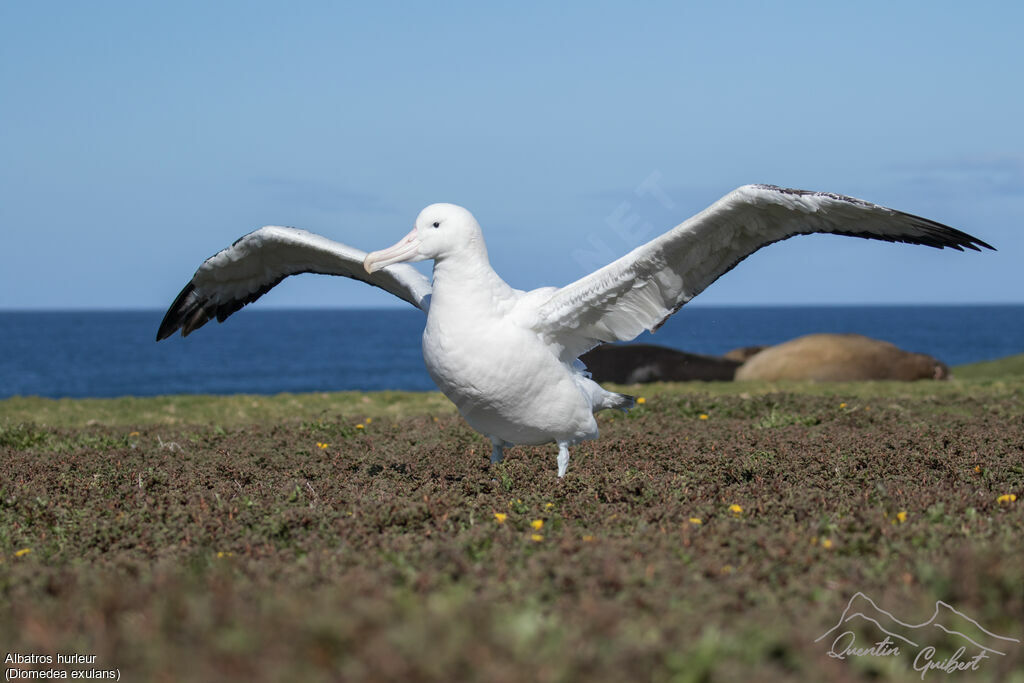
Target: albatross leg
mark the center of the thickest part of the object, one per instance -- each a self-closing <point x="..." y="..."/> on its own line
<point x="563" y="458"/>
<point x="497" y="450"/>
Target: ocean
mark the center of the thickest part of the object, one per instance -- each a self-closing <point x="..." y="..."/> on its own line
<point x="108" y="354"/>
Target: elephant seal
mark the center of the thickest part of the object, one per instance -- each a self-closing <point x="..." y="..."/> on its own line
<point x="840" y="358"/>
<point x="641" y="363"/>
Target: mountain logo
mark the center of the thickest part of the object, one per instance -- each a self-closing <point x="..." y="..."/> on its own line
<point x="977" y="642"/>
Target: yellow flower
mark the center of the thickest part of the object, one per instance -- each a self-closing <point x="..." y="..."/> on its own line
<point x="695" y="520"/>
<point x="536" y="538"/>
<point x="587" y="538"/>
<point x="641" y="400"/>
<point x="221" y="553"/>
<point x="133" y="434"/>
<point x="842" y="405"/>
<point x="703" y="416"/>
<point x="360" y="427"/>
<point x="902" y="516"/>
<point x="548" y="506"/>
<point x="826" y="543"/>
<point x="537" y="524"/>
<point x="369" y="420"/>
<point x="23" y="552"/>
<point x="736" y="509"/>
<point x="501" y="517"/>
<point x="1006" y="498"/>
<point x="977" y="469"/>
<point x="322" y="446"/>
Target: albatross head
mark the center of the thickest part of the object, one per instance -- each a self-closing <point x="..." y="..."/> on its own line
<point x="441" y="230"/>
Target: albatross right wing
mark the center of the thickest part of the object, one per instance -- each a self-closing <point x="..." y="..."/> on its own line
<point x="250" y="267"/>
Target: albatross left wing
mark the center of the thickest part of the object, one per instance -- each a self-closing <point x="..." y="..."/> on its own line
<point x="643" y="288"/>
<point x="255" y="263"/>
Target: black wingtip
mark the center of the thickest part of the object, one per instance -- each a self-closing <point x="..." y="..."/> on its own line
<point x="192" y="309"/>
<point x="934" y="234"/>
<point x="181" y="310"/>
<point x="941" y="236"/>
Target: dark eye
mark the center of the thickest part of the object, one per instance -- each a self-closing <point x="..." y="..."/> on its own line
<point x="436" y="224"/>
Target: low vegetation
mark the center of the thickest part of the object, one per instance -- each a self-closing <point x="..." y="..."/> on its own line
<point x="712" y="534"/>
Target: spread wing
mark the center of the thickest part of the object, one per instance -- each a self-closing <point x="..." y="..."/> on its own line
<point x="643" y="288"/>
<point x="254" y="264"/>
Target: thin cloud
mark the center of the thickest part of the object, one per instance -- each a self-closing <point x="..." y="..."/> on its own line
<point x="323" y="196"/>
<point x="997" y="175"/>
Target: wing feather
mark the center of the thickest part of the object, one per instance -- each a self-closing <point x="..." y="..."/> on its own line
<point x="643" y="288"/>
<point x="257" y="262"/>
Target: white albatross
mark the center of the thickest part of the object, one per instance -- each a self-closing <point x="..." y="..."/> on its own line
<point x="508" y="359"/>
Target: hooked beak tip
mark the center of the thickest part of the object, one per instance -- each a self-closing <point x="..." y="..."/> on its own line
<point x="403" y="251"/>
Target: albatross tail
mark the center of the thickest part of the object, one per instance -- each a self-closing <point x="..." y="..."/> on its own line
<point x="610" y="399"/>
<point x="601" y="398"/>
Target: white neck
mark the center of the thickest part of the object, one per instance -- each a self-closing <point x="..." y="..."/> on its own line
<point x="465" y="280"/>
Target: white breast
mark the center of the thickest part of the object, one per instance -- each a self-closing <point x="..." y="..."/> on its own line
<point x="505" y="380"/>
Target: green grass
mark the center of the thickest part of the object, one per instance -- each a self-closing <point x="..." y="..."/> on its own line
<point x="271" y="538"/>
<point x="1012" y="366"/>
<point x="218" y="410"/>
<point x="979" y="380"/>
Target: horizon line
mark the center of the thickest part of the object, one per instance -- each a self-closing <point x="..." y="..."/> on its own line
<point x="314" y="307"/>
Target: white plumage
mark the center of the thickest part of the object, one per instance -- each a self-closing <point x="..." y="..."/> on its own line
<point x="508" y="359"/>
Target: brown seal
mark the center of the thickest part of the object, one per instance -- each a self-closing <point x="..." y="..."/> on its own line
<point x="744" y="353"/>
<point x="840" y="358"/>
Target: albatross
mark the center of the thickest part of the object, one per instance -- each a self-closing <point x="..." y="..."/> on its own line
<point x="509" y="359"/>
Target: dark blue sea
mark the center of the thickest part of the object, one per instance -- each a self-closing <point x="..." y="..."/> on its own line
<point x="105" y="354"/>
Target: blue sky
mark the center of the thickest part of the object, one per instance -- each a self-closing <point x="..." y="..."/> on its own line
<point x="139" y="138"/>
